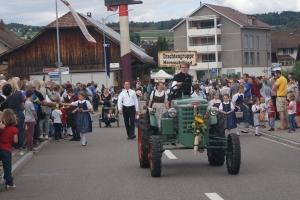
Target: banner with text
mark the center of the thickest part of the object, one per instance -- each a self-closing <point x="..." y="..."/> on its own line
<point x="174" y="58"/>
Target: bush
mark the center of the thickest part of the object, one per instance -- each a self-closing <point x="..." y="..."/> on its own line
<point x="295" y="70"/>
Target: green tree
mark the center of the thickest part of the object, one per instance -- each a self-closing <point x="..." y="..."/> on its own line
<point x="135" y="38"/>
<point x="159" y="43"/>
<point x="152" y="51"/>
<point x="164" y="44"/>
<point x="28" y="37"/>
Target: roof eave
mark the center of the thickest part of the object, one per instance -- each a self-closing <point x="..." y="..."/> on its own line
<point x="256" y="27"/>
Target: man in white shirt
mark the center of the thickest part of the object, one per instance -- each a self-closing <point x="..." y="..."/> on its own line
<point x="128" y="106"/>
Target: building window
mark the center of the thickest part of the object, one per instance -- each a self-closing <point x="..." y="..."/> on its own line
<point x="257" y="58"/>
<point x="257" y="42"/>
<point x="250" y="21"/>
<point x="252" y="58"/>
<point x="246" y="58"/>
<point x="268" y="56"/>
<point x="268" y="39"/>
<point x="288" y="51"/>
<point x="212" y="58"/>
<point x="246" y="41"/>
<point x="251" y="42"/>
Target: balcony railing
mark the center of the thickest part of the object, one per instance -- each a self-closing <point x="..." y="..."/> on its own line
<point x="203" y="44"/>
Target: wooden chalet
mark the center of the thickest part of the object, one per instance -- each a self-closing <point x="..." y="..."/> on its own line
<point x="76" y="53"/>
<point x="8" y="40"/>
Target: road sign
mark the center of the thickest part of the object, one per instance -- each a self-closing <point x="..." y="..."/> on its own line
<point x="47" y="70"/>
<point x="65" y="70"/>
<point x="213" y="71"/>
<point x="53" y="75"/>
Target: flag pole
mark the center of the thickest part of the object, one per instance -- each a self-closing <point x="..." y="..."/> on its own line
<point x="58" y="45"/>
<point x="103" y="23"/>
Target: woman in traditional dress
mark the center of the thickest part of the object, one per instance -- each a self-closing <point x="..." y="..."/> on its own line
<point x="215" y="102"/>
<point x="84" y="121"/>
<point x="158" y="98"/>
<point x="240" y="106"/>
<point x="105" y="99"/>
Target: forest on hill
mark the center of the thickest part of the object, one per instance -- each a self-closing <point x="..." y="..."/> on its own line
<point x="286" y="20"/>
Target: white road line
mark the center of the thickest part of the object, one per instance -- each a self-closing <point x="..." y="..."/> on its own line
<point x="280" y="143"/>
<point x="170" y="155"/>
<point x="213" y="196"/>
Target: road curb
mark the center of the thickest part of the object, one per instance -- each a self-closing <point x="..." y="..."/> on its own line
<point x="276" y="138"/>
<point x="25" y="159"/>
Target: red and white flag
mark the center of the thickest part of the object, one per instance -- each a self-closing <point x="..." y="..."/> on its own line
<point x="112" y="8"/>
<point x="80" y="23"/>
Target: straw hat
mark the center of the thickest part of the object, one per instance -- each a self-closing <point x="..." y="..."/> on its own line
<point x="138" y="92"/>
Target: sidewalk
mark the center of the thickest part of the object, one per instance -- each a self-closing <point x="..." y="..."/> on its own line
<point x="283" y="136"/>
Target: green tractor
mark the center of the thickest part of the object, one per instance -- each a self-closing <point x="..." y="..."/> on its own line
<point x="191" y="124"/>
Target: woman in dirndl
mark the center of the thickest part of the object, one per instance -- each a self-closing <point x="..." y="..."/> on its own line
<point x="240" y="106"/>
<point x="227" y="110"/>
<point x="84" y="121"/>
<point x="158" y="98"/>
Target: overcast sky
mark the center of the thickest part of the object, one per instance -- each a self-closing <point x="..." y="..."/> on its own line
<point x="42" y="12"/>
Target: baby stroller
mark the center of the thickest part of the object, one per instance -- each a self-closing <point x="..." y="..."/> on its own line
<point x="109" y="114"/>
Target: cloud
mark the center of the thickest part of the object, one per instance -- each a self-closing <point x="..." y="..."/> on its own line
<point x="260" y="6"/>
<point x="42" y="12"/>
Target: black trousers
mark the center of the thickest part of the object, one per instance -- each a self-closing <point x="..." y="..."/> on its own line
<point x="72" y="118"/>
<point x="57" y="127"/>
<point x="129" y="116"/>
<point x="274" y="103"/>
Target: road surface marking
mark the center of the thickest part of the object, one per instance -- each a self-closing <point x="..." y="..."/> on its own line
<point x="280" y="143"/>
<point x="213" y="196"/>
<point x="169" y="154"/>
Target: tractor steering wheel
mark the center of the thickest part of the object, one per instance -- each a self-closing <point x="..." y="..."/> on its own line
<point x="182" y="90"/>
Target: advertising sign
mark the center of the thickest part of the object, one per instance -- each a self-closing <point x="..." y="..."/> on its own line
<point x="174" y="58"/>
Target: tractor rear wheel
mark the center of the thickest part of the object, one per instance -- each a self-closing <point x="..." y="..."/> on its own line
<point x="155" y="156"/>
<point x="216" y="157"/>
<point x="233" y="156"/>
<point x="143" y="139"/>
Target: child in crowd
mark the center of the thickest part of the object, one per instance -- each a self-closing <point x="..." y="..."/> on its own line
<point x="256" y="109"/>
<point x="57" y="116"/>
<point x="271" y="115"/>
<point x="292" y="112"/>
<point x="227" y="109"/>
<point x="84" y="121"/>
<point x="51" y="128"/>
<point x="263" y="107"/>
<point x="30" y="119"/>
<point x="240" y="106"/>
<point x="111" y="114"/>
<point x="215" y="101"/>
<point x="8" y="135"/>
<point x="64" y="121"/>
<point x="115" y="99"/>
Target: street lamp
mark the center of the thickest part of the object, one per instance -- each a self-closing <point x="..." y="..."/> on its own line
<point x="207" y="55"/>
<point x="103" y="33"/>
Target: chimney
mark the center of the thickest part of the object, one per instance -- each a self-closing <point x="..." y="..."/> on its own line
<point x="89" y="14"/>
<point x="2" y="25"/>
<point x="200" y="3"/>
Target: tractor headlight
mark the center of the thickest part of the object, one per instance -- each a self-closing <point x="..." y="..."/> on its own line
<point x="172" y="112"/>
<point x="214" y="111"/>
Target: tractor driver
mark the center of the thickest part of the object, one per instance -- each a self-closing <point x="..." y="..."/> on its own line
<point x="183" y="77"/>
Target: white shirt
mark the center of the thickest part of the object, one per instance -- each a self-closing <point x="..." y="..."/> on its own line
<point x="212" y="102"/>
<point x="255" y="107"/>
<point x="56" y="116"/>
<point x="221" y="105"/>
<point x="225" y="90"/>
<point x="235" y="97"/>
<point x="89" y="105"/>
<point x="128" y="98"/>
<point x="201" y="95"/>
<point x="157" y="94"/>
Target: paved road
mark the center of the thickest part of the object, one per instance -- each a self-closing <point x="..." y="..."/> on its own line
<point x="107" y="168"/>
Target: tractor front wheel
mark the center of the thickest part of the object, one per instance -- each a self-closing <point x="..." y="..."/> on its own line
<point x="155" y="156"/>
<point x="216" y="157"/>
<point x="143" y="140"/>
<point x="233" y="156"/>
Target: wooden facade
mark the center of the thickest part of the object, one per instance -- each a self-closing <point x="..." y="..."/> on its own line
<point x="76" y="53"/>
